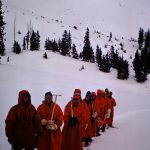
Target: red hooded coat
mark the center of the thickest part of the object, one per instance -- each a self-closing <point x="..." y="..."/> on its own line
<point x="72" y="136"/>
<point x="50" y="140"/>
<point x="22" y="123"/>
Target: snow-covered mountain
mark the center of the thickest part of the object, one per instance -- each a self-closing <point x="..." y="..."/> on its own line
<point x="121" y="17"/>
<point x="61" y="75"/>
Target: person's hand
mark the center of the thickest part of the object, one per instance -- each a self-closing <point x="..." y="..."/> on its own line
<point x="86" y="125"/>
<point x="94" y="115"/>
<point x="50" y="122"/>
<point x="44" y="122"/>
<point x="73" y="121"/>
<point x="51" y="127"/>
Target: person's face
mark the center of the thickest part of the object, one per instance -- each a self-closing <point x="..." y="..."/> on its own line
<point x="77" y="94"/>
<point x="75" y="102"/>
<point x="88" y="97"/>
<point x="93" y="97"/>
<point x="48" y="98"/>
<point x="25" y="98"/>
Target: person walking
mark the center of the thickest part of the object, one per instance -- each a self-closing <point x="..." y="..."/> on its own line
<point x="22" y="124"/>
<point x="74" y="124"/>
<point x="51" y="117"/>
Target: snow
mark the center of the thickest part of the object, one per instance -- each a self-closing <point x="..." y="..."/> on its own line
<point x="61" y="75"/>
<point x="31" y="71"/>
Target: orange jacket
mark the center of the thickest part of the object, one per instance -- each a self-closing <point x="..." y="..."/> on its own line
<point x="101" y="107"/>
<point x="22" y="123"/>
<point x="50" y="140"/>
<point x="91" y="129"/>
<point x="113" y="104"/>
<point x="72" y="136"/>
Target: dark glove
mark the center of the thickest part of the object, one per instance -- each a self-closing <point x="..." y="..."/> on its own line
<point x="73" y="121"/>
<point x="11" y="141"/>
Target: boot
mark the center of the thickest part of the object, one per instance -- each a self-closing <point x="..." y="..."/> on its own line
<point x="86" y="142"/>
<point x="103" y="128"/>
<point x="97" y="131"/>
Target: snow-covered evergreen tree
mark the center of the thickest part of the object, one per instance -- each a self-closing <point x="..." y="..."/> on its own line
<point x="24" y="43"/>
<point x="105" y="63"/>
<point x="16" y="48"/>
<point x="35" y="41"/>
<point x="122" y="69"/>
<point x="87" y="49"/>
<point x="45" y="55"/>
<point x="65" y="44"/>
<point x="140" y="74"/>
<point x="2" y="24"/>
<point x="98" y="55"/>
<point x="74" y="52"/>
<point x="141" y="38"/>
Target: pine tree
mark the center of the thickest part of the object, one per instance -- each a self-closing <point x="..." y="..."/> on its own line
<point x="54" y="46"/>
<point x="87" y="49"/>
<point x="59" y="45"/>
<point x="24" y="43"/>
<point x="2" y="24"/>
<point x="110" y="36"/>
<point x="140" y="74"/>
<point x="98" y="55"/>
<point x="69" y="40"/>
<point x="92" y="56"/>
<point x="33" y="41"/>
<point x="122" y="69"/>
<point x="64" y="44"/>
<point x="45" y="55"/>
<point x="74" y="52"/>
<point x="147" y="39"/>
<point x="48" y="44"/>
<point x="145" y="53"/>
<point x="141" y="38"/>
<point x="105" y="63"/>
<point x="114" y="57"/>
<point x="16" y="48"/>
<point x="27" y="39"/>
<point x="81" y="55"/>
<point x="37" y="40"/>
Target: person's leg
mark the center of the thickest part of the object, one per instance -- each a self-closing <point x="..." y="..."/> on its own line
<point x="97" y="131"/>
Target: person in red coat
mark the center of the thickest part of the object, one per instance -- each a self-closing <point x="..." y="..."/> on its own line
<point x="22" y="124"/>
<point x="101" y="110"/>
<point x="77" y="92"/>
<point x="109" y="108"/>
<point x="113" y="104"/>
<point x="91" y="128"/>
<point x="74" y="123"/>
<point x="51" y="117"/>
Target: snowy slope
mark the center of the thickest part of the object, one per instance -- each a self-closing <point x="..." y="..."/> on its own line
<point x="121" y="17"/>
<point x="32" y="72"/>
<point x="61" y="74"/>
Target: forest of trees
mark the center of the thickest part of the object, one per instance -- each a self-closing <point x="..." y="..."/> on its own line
<point x="2" y="33"/>
<point x="141" y="62"/>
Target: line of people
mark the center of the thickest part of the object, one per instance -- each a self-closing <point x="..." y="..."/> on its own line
<point x="28" y="128"/>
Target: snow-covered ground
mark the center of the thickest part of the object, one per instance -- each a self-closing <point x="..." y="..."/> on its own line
<point x="61" y="74"/>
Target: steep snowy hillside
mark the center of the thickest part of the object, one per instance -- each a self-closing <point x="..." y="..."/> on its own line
<point x="51" y="18"/>
<point x="61" y="75"/>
